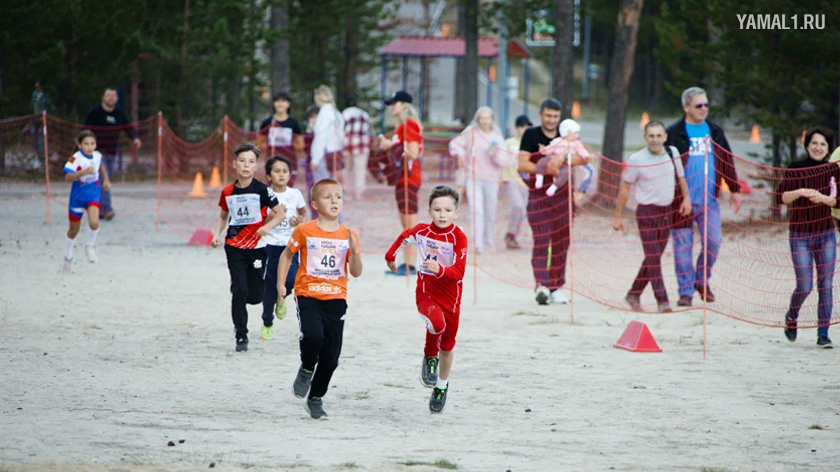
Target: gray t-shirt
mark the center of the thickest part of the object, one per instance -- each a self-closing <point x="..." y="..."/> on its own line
<point x="652" y="176"/>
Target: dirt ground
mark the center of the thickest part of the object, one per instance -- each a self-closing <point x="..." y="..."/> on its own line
<point x="102" y="368"/>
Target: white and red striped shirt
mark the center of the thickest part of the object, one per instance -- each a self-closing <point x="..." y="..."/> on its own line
<point x="447" y="246"/>
<point x="357" y="130"/>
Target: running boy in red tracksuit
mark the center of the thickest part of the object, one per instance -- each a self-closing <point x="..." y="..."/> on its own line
<point x="442" y="248"/>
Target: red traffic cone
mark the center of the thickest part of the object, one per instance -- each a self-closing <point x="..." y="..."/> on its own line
<point x="201" y="237"/>
<point x="637" y="338"/>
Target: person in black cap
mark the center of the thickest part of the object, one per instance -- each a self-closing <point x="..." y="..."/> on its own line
<point x="408" y="135"/>
<point x="513" y="185"/>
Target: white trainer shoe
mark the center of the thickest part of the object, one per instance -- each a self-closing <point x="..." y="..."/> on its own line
<point x="91" y="254"/>
<point x="558" y="298"/>
<point x="65" y="266"/>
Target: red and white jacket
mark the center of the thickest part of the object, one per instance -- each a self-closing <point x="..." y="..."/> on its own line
<point x="447" y="246"/>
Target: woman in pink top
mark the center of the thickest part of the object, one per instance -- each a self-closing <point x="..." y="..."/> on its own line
<point x="481" y="152"/>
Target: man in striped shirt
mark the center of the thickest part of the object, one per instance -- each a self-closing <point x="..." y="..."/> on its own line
<point x="358" y="133"/>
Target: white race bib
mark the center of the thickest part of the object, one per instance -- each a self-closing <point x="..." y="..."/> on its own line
<point x="433" y="250"/>
<point x="279" y="136"/>
<point x="326" y="257"/>
<point x="244" y="209"/>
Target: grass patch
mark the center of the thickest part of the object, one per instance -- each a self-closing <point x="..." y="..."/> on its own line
<point x="816" y="426"/>
<point x="395" y="385"/>
<point x="549" y="320"/>
<point x="440" y="463"/>
<point x="348" y="465"/>
<point x="527" y="313"/>
<point x="362" y="395"/>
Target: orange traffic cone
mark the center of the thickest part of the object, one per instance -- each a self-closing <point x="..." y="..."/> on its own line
<point x="576" y="110"/>
<point x="803" y="136"/>
<point x="645" y="120"/>
<point x="215" y="178"/>
<point x="755" y="136"/>
<point x="198" y="187"/>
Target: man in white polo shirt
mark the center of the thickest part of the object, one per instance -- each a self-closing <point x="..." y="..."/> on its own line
<point x="653" y="172"/>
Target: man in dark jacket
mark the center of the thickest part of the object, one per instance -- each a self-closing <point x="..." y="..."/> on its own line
<point x="106" y="120"/>
<point x="690" y="135"/>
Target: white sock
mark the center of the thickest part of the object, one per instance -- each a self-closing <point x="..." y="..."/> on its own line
<point x="68" y="248"/>
<point x="538" y="181"/>
<point x="551" y="190"/>
<point x="92" y="237"/>
<point x="442" y="383"/>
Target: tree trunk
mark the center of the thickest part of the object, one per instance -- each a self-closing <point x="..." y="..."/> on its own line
<point x="427" y="24"/>
<point x="715" y="88"/>
<point x="564" y="52"/>
<point x="621" y="71"/>
<point x="470" y="77"/>
<point x="460" y="84"/>
<point x="182" y="79"/>
<point x="351" y="63"/>
<point x="280" y="65"/>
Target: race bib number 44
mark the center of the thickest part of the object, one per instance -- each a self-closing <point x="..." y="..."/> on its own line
<point x="244" y="209"/>
<point x="432" y="250"/>
<point x="326" y="258"/>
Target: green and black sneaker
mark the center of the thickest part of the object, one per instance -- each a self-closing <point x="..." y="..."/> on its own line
<point x="438" y="400"/>
<point x="429" y="373"/>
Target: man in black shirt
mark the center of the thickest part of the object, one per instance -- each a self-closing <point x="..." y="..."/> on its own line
<point x="547" y="215"/>
<point x="281" y="134"/>
<point x="99" y="119"/>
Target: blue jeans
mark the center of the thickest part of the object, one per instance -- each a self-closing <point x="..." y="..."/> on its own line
<point x="687" y="276"/>
<point x="105" y="199"/>
<point x="270" y="294"/>
<point x="805" y="250"/>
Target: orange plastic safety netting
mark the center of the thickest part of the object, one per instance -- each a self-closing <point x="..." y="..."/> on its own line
<point x="771" y="258"/>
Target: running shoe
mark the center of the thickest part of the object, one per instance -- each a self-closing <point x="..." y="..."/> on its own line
<point x="705" y="293"/>
<point x="664" y="307"/>
<point x="91" y="254"/>
<point x="280" y="308"/>
<point x="267" y="332"/>
<point x="684" y="301"/>
<point x="557" y="298"/>
<point x="634" y="301"/>
<point x="542" y="295"/>
<point x="438" y="401"/>
<point x="242" y="345"/>
<point x="790" y="330"/>
<point x="66" y="265"/>
<point x="824" y="342"/>
<point x="402" y="269"/>
<point x="429" y="374"/>
<point x="315" y="407"/>
<point x="108" y="215"/>
<point x="300" y="387"/>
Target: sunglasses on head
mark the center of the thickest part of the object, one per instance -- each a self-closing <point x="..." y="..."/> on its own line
<point x="700" y="106"/>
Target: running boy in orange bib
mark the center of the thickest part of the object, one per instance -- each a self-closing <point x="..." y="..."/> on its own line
<point x="442" y="248"/>
<point x="328" y="251"/>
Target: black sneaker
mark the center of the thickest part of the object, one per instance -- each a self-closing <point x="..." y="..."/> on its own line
<point x="542" y="295"/>
<point x="315" y="407"/>
<point x="242" y="345"/>
<point x="684" y="301"/>
<point x="824" y="342"/>
<point x="429" y="374"/>
<point x="300" y="387"/>
<point x="790" y="330"/>
<point x="438" y="401"/>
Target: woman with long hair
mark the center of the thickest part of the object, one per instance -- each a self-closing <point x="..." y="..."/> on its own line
<point x="409" y="135"/>
<point x="482" y="153"/>
<point x="325" y="159"/>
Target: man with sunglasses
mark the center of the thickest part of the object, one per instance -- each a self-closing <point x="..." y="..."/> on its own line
<point x="689" y="136"/>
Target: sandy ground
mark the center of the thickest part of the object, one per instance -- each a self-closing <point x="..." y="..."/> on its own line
<point x="102" y="368"/>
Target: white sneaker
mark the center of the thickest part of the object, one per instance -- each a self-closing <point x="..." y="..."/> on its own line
<point x="557" y="298"/>
<point x="542" y="295"/>
<point x="91" y="254"/>
<point x="65" y="266"/>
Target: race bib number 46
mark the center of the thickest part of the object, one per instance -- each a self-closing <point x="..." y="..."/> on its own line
<point x="326" y="258"/>
<point x="244" y="209"/>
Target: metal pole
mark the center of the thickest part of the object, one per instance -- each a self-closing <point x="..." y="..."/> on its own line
<point x="705" y="240"/>
<point x="422" y="94"/>
<point x="527" y="84"/>
<point x="506" y="103"/>
<point x="570" y="253"/>
<point x="382" y="88"/>
<point x="225" y="152"/>
<point x="46" y="165"/>
<point x="502" y="72"/>
<point x="489" y="83"/>
<point x="587" y="36"/>
<point x="405" y="74"/>
<point x="159" y="167"/>
<point x="473" y="207"/>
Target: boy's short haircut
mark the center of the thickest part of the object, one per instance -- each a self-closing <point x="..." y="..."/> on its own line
<point x="269" y="163"/>
<point x="320" y="184"/>
<point x="85" y="133"/>
<point x="245" y="147"/>
<point x="444" y="191"/>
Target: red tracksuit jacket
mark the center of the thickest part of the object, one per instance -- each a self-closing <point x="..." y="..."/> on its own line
<point x="447" y="246"/>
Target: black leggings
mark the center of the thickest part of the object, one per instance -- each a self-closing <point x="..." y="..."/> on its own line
<point x="321" y="333"/>
<point x="270" y="298"/>
<point x="247" y="271"/>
